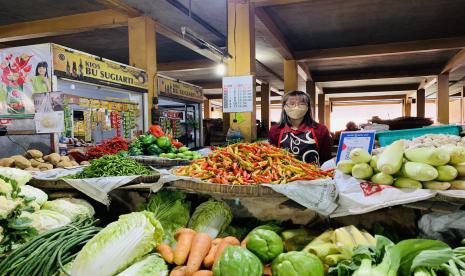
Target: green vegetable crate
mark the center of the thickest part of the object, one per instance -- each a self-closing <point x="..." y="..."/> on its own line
<point x="386" y="138"/>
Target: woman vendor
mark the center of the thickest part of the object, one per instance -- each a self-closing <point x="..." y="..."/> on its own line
<point x="299" y="133"/>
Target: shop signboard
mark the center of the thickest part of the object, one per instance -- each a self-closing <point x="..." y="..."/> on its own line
<point x="76" y="65"/>
<point x="354" y="139"/>
<point x="176" y="89"/>
<point x="24" y="71"/>
<point x="238" y="94"/>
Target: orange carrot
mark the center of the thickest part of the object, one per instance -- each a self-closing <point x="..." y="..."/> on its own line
<point x="178" y="271"/>
<point x="200" y="247"/>
<point x="267" y="270"/>
<point x="225" y="242"/>
<point x="166" y="252"/>
<point x="203" y="273"/>
<point x="210" y="258"/>
<point x="184" y="238"/>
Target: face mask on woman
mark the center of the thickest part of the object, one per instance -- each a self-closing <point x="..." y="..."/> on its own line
<point x="296" y="112"/>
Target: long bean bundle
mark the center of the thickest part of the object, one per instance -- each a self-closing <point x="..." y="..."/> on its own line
<point x="47" y="253"/>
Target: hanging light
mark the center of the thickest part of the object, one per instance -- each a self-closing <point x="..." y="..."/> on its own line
<point x="220" y="69"/>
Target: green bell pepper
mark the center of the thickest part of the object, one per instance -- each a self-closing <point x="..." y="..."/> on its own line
<point x="147" y="139"/>
<point x="266" y="244"/>
<point x="297" y="263"/>
<point x="235" y="261"/>
<point x="135" y="151"/>
<point x="164" y="142"/>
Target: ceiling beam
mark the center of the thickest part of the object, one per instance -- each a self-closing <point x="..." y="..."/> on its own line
<point x="455" y="62"/>
<point x="186" y="65"/>
<point x="396" y="48"/>
<point x="371" y="98"/>
<point x="303" y="71"/>
<point x="274" y="35"/>
<point x="370" y="88"/>
<point x="63" y="25"/>
<point x="376" y="75"/>
<point x="177" y="37"/>
<point x="120" y="6"/>
<point x="427" y="82"/>
<point x="209" y="84"/>
<point x="265" y="3"/>
<point x="269" y="70"/>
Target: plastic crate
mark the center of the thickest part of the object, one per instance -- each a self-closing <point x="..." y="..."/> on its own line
<point x="387" y="137"/>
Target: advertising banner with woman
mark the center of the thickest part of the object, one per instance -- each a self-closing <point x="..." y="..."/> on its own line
<point x="23" y="72"/>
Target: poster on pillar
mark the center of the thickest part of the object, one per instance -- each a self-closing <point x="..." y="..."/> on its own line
<point x="238" y="94"/>
<point x="24" y="71"/>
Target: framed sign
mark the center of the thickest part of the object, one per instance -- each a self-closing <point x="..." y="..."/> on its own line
<point x="354" y="139"/>
<point x="238" y="94"/>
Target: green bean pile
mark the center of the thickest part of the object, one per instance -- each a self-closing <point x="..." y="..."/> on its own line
<point x="113" y="165"/>
<point x="47" y="253"/>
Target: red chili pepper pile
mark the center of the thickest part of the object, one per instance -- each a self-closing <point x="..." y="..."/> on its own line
<point x="112" y="146"/>
<point x="252" y="164"/>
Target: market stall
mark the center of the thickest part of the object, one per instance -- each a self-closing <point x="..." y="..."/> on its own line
<point x="180" y="110"/>
<point x="73" y="97"/>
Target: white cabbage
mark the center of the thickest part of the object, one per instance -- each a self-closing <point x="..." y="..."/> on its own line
<point x="20" y="176"/>
<point x="73" y="208"/>
<point x="150" y="265"/>
<point x="40" y="197"/>
<point x="44" y="220"/>
<point x="119" y="245"/>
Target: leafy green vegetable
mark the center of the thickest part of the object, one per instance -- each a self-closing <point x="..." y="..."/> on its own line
<point x="119" y="244"/>
<point x="266" y="244"/>
<point x="404" y="257"/>
<point x="112" y="165"/>
<point x="171" y="209"/>
<point x="236" y="260"/>
<point x="73" y="208"/>
<point x="211" y="217"/>
<point x="150" y="265"/>
<point x="297" y="263"/>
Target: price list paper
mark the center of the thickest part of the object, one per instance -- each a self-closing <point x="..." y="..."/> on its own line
<point x="238" y="94"/>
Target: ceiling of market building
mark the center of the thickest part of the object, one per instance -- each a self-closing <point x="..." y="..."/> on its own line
<point x="329" y="37"/>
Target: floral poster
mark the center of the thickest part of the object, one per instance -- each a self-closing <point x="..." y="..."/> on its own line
<point x="24" y="71"/>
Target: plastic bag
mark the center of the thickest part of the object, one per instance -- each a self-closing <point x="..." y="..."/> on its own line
<point x="449" y="228"/>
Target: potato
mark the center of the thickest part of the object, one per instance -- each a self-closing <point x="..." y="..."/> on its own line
<point x="65" y="158"/>
<point x="74" y="163"/>
<point x="33" y="153"/>
<point x="7" y="162"/>
<point x="35" y="163"/>
<point x="21" y="162"/>
<point x="83" y="163"/>
<point x="31" y="169"/>
<point x="40" y="160"/>
<point x="45" y="167"/>
<point x="53" y="158"/>
<point x="64" y="164"/>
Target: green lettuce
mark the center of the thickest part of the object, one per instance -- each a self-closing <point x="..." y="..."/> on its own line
<point x="172" y="210"/>
<point x="119" y="245"/>
<point x="73" y="208"/>
<point x="151" y="265"/>
<point x="211" y="217"/>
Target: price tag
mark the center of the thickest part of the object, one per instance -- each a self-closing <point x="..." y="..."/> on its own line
<point x="238" y="94"/>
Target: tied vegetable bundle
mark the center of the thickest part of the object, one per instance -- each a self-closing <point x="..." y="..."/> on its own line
<point x="252" y="164"/>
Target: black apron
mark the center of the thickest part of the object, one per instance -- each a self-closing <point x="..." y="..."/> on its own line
<point x="303" y="145"/>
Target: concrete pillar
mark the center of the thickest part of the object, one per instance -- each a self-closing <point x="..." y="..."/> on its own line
<point x="290" y="75"/>
<point x="311" y="90"/>
<point x="265" y="104"/>
<point x="442" y="100"/>
<point x="206" y="109"/>
<point x="321" y="108"/>
<point x="421" y="103"/>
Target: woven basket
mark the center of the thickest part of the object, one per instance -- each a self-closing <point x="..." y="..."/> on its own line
<point x="60" y="184"/>
<point x="223" y="190"/>
<point x="160" y="162"/>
